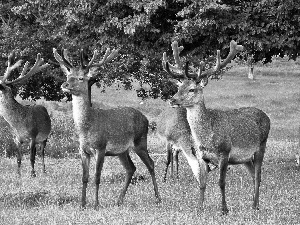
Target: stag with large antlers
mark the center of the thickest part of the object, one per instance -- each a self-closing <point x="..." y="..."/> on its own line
<point x="236" y="136"/>
<point x="29" y="123"/>
<point x="101" y="132"/>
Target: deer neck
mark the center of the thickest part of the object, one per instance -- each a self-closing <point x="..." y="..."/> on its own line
<point x="200" y="123"/>
<point x="81" y="111"/>
<point x="12" y="111"/>
<point x="180" y="111"/>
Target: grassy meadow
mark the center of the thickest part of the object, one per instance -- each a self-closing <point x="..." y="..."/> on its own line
<point x="54" y="197"/>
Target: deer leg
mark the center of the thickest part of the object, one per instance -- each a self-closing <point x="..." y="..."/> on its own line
<point x="43" y="145"/>
<point x="19" y="156"/>
<point x="169" y="160"/>
<point x="250" y="167"/>
<point x="85" y="160"/>
<point x="199" y="168"/>
<point x="130" y="169"/>
<point x="176" y="162"/>
<point x="223" y="169"/>
<point x="172" y="161"/>
<point x="32" y="156"/>
<point x="258" y="159"/>
<point x="142" y="152"/>
<point x="99" y="165"/>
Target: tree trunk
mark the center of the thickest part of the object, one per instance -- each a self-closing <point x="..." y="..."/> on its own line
<point x="251" y="72"/>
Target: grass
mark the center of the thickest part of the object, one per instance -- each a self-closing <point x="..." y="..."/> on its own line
<point x="54" y="197"/>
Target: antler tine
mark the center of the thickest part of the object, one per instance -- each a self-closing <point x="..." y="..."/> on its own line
<point x="85" y="64"/>
<point x="195" y="75"/>
<point x="218" y="61"/>
<point x="108" y="56"/>
<point x="10" y="67"/>
<point x="174" y="70"/>
<point x="112" y="55"/>
<point x="201" y="68"/>
<point x="168" y="67"/>
<point x="176" y="51"/>
<point x="165" y="63"/>
<point x="36" y="68"/>
<point x="24" y="69"/>
<point x="66" y="59"/>
<point x="93" y="58"/>
<point x="61" y="62"/>
<point x="234" y="49"/>
<point x="82" y="59"/>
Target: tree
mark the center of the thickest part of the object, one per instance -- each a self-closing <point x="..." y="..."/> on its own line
<point x="265" y="28"/>
<point x="143" y="30"/>
<point x="140" y="28"/>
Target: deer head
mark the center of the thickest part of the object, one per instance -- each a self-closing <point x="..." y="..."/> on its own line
<point x="5" y="85"/>
<point x="190" y="81"/>
<point x="79" y="78"/>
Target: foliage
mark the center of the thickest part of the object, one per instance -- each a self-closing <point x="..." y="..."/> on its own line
<point x="265" y="28"/>
<point x="143" y="30"/>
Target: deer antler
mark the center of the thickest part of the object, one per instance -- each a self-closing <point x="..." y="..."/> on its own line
<point x="10" y="67"/>
<point x="36" y="68"/>
<point x="174" y="70"/>
<point x="234" y="49"/>
<point x="65" y="64"/>
<point x="108" y="56"/>
<point x="63" y="61"/>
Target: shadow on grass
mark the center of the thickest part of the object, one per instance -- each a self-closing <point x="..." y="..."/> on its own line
<point x="36" y="199"/>
<point x="120" y="178"/>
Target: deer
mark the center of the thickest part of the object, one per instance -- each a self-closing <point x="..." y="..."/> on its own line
<point x="222" y="137"/>
<point x="173" y="128"/>
<point x="29" y="123"/>
<point x="110" y="132"/>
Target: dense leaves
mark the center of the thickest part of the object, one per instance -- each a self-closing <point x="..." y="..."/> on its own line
<point x="143" y="30"/>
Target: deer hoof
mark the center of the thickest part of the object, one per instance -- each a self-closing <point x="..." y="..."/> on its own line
<point x="83" y="207"/>
<point x="255" y="207"/>
<point x="225" y="211"/>
<point x="120" y="202"/>
<point x="158" y="201"/>
<point x="33" y="174"/>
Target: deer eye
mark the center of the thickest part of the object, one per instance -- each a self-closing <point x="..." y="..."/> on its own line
<point x="192" y="90"/>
